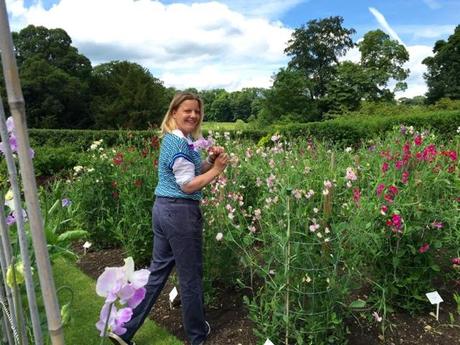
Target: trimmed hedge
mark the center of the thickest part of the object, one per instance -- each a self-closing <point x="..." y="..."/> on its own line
<point x="340" y="131"/>
<point x="353" y="130"/>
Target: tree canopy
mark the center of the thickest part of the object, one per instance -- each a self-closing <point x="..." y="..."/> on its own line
<point x="443" y="75"/>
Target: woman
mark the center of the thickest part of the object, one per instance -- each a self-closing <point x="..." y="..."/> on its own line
<point x="177" y="218"/>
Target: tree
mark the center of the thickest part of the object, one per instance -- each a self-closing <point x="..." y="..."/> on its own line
<point x="382" y="59"/>
<point x="221" y="108"/>
<point x="349" y="86"/>
<point x="54" y="78"/>
<point x="54" y="99"/>
<point x="315" y="51"/>
<point x="126" y="95"/>
<point x="208" y="97"/>
<point x="289" y="99"/>
<point x="443" y="75"/>
<point x="53" y="46"/>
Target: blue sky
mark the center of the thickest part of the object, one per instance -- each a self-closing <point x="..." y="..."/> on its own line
<point x="230" y="43"/>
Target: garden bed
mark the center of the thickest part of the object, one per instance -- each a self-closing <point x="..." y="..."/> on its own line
<point x="230" y="324"/>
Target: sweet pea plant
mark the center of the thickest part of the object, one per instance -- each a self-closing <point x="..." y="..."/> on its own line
<point x="123" y="290"/>
<point x="299" y="224"/>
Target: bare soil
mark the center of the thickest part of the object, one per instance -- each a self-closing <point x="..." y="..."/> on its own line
<point x="230" y="323"/>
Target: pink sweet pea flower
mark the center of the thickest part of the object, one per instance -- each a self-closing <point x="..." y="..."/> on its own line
<point x="424" y="248"/>
<point x="437" y="225"/>
<point x="116" y="320"/>
<point x="384" y="167"/>
<point x="456" y="261"/>
<point x="405" y="177"/>
<point x="351" y="175"/>
<point x="380" y="189"/>
<point x="418" y="140"/>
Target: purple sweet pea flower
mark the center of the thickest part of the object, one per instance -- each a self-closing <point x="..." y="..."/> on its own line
<point x="202" y="144"/>
<point x="13" y="143"/>
<point x="116" y="320"/>
<point x="122" y="282"/>
<point x="10" y="219"/>
<point x="137" y="298"/>
<point x="66" y="202"/>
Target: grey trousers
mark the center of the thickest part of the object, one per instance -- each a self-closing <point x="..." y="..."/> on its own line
<point x="178" y="236"/>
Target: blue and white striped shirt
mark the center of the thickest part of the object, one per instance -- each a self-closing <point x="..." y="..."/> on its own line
<point x="176" y="148"/>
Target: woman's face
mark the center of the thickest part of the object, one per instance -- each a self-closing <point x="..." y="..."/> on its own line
<point x="187" y="116"/>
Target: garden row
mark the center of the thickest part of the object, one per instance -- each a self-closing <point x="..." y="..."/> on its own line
<point x="300" y="224"/>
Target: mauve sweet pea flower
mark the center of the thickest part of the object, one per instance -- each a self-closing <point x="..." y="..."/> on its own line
<point x="66" y="202"/>
<point x="116" y="320"/>
<point x="137" y="297"/>
<point x="122" y="282"/>
<point x="201" y="144"/>
<point x="110" y="282"/>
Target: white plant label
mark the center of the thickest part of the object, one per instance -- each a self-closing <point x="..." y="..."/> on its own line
<point x="434" y="297"/>
<point x="268" y="342"/>
<point x="173" y="294"/>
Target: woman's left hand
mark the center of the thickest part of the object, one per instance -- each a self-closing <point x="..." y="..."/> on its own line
<point x="214" y="152"/>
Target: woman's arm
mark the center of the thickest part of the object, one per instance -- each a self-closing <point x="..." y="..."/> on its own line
<point x="204" y="179"/>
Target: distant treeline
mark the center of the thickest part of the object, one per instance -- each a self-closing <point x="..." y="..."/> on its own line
<point x="63" y="90"/>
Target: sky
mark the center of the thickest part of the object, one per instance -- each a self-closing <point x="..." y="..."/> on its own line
<point x="230" y="44"/>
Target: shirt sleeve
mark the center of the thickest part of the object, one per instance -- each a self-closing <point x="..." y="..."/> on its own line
<point x="184" y="170"/>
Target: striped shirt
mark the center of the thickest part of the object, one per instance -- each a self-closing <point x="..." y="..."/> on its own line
<point x="178" y="164"/>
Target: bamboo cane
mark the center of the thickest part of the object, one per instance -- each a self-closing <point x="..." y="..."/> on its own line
<point x="23" y="243"/>
<point x="6" y="330"/>
<point x="17" y="108"/>
<point x="5" y="261"/>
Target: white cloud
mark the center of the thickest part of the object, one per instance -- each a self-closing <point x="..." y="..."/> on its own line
<point x="272" y="9"/>
<point x="426" y="31"/>
<point x="178" y="41"/>
<point x="416" y="85"/>
<point x="384" y="24"/>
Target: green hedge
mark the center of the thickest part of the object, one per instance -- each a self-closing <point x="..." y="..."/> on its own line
<point x="342" y="131"/>
<point x="353" y="130"/>
<point x="82" y="139"/>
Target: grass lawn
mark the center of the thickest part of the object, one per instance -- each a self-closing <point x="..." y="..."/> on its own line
<point x="85" y="310"/>
<point x="224" y="126"/>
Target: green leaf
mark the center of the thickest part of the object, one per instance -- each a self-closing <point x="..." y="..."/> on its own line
<point x="72" y="235"/>
<point x="359" y="303"/>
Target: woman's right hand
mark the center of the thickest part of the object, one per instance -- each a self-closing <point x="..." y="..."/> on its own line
<point x="221" y="162"/>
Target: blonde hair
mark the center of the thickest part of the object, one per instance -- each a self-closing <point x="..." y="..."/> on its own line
<point x="169" y="123"/>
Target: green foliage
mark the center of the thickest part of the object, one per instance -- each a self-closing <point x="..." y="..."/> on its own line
<point x="382" y="59"/>
<point x="348" y="131"/>
<point x="315" y="50"/>
<point x="443" y="76"/>
<point x="51" y="161"/>
<point x="126" y="95"/>
<point x="289" y="100"/>
<point x="112" y="191"/>
<point x="54" y="78"/>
